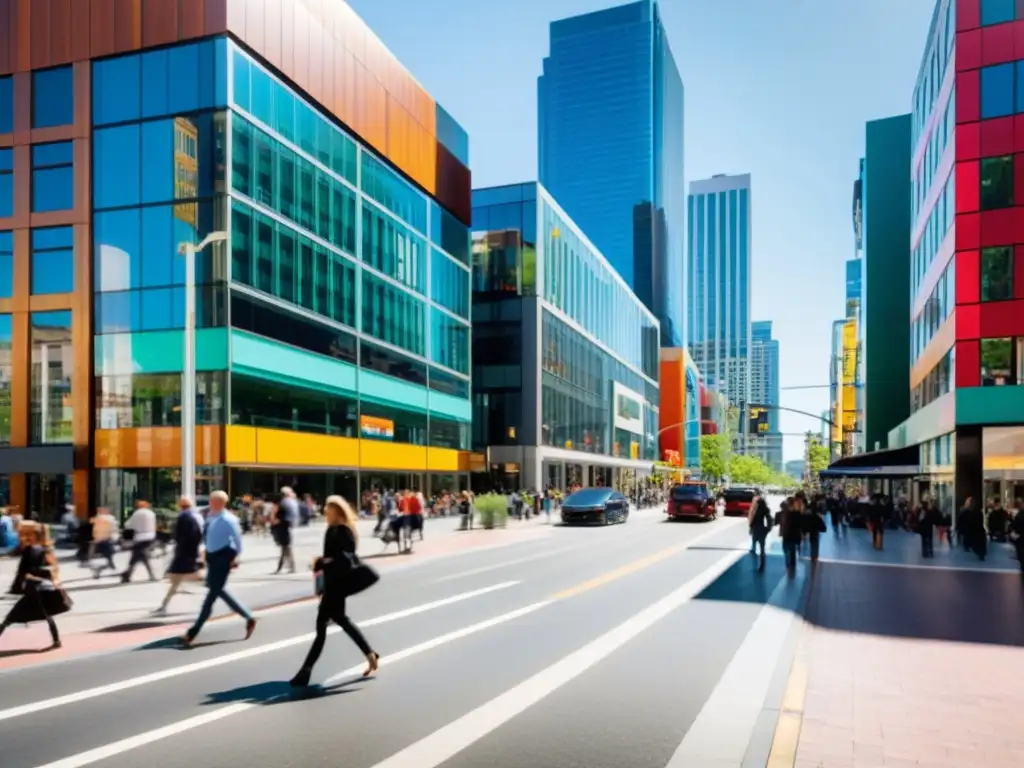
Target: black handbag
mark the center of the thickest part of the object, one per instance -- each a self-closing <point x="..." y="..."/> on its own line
<point x="360" y="576"/>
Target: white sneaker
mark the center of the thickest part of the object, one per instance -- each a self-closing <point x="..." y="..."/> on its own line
<point x="160" y="612"/>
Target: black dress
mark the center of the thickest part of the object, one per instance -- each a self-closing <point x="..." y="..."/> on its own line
<point x="39" y="599"/>
<point x="188" y="536"/>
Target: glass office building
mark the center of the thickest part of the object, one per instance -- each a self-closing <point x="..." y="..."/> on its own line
<point x="333" y="325"/>
<point x="764" y="389"/>
<point x="565" y="357"/>
<point x="610" y="136"/>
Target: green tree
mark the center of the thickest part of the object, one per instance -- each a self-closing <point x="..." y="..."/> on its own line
<point x="818" y="457"/>
<point x="715" y="452"/>
<point x="750" y="470"/>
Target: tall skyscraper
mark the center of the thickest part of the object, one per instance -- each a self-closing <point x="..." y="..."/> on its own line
<point x="718" y="301"/>
<point x="764" y="389"/>
<point x="610" y="136"/>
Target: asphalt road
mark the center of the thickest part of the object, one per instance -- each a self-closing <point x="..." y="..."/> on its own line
<point x="647" y="645"/>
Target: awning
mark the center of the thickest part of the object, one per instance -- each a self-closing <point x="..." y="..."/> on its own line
<point x="899" y="462"/>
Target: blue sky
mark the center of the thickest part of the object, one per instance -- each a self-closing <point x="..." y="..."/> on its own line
<point x="779" y="89"/>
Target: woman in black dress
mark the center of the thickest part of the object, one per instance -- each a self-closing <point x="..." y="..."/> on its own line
<point x="38" y="584"/>
<point x="336" y="565"/>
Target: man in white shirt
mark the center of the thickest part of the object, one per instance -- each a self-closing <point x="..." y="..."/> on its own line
<point x="142" y="523"/>
<point x="104" y="534"/>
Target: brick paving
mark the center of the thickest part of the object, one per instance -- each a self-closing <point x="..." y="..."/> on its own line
<point x="912" y="667"/>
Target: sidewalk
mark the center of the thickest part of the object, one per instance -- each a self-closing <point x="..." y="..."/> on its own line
<point x="906" y="663"/>
<point x="108" y="615"/>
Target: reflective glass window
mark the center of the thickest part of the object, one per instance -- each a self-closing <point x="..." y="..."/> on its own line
<point x="275" y="322"/>
<point x="6" y="104"/>
<point x="394" y="193"/>
<point x="393" y="315"/>
<point x="157" y="309"/>
<point x="116" y="312"/>
<point x="449" y="283"/>
<point x="6" y="183"/>
<point x="53" y="97"/>
<point x="241" y="243"/>
<point x="242" y="80"/>
<point x="268" y="404"/>
<point x="443" y="381"/>
<point x="996" y="11"/>
<point x="997" y="91"/>
<point x="392" y="363"/>
<point x="996" y="182"/>
<point x="262" y="96"/>
<point x="394" y="249"/>
<point x="117" y="90"/>
<point x="154" y="83"/>
<point x="997" y="362"/>
<point x="116" y="251"/>
<point x="116" y="168"/>
<point x="449" y="341"/>
<point x="452" y="235"/>
<point x="169" y="148"/>
<point x="53" y="179"/>
<point x="53" y="260"/>
<point x="53" y="366"/>
<point x="997" y="273"/>
<point x="154" y="400"/>
<point x="6" y="265"/>
<point x="6" y="373"/>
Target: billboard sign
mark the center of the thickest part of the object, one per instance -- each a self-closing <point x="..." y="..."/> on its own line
<point x="376" y="428"/>
<point x="758" y="421"/>
<point x="628" y="409"/>
<point x="850" y="352"/>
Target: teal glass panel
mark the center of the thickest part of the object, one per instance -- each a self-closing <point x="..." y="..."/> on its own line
<point x="449" y="283"/>
<point x="394" y="193"/>
<point x="393" y="315"/>
<point x="990" y="405"/>
<point x="455" y="407"/>
<point x="449" y="341"/>
<point x="158" y="352"/>
<point x="377" y="388"/>
<point x="394" y="249"/>
<point x="262" y="358"/>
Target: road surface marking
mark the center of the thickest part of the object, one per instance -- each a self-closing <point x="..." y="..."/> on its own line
<point x="1010" y="567"/>
<point x="453" y="738"/>
<point x="722" y="731"/>
<point x="791" y="718"/>
<point x="154" y="677"/>
<point x="639" y="565"/>
<point x="142" y="739"/>
<point x="505" y="564"/>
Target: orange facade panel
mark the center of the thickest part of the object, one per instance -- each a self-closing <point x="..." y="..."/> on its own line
<point x="154" y="447"/>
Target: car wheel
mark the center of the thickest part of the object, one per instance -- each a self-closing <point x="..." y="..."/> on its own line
<point x="607" y="518"/>
<point x="624" y="517"/>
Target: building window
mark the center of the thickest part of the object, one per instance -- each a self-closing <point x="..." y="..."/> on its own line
<point x="996" y="11"/>
<point x="997" y="366"/>
<point x="997" y="94"/>
<point x="6" y="372"/>
<point x="52" y="366"/>
<point x="393" y="315"/>
<point x="6" y="183"/>
<point x="53" y="260"/>
<point x="996" y="182"/>
<point x="53" y="97"/>
<point x="6" y="265"/>
<point x="154" y="400"/>
<point x="997" y="273"/>
<point x="6" y="104"/>
<point x="53" y="178"/>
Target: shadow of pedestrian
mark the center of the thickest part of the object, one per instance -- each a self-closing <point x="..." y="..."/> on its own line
<point x="175" y="644"/>
<point x="273" y="692"/>
<point x="12" y="652"/>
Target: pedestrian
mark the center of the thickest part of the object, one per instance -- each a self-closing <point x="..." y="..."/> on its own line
<point x="337" y="568"/>
<point x="223" y="540"/>
<point x="760" y="520"/>
<point x="466" y="511"/>
<point x="142" y="524"/>
<point x="38" y="583"/>
<point x="926" y="520"/>
<point x="876" y="519"/>
<point x="791" y="531"/>
<point x="188" y="538"/>
<point x="286" y="519"/>
<point x="1017" y="533"/>
<point x="104" y="536"/>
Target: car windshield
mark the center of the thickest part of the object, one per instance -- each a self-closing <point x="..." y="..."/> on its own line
<point x="588" y="496"/>
<point x="681" y="492"/>
<point x="739" y="494"/>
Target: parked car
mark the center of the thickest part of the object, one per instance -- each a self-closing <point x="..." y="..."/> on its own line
<point x="691" y="500"/>
<point x="595" y="505"/>
<point x="738" y="500"/>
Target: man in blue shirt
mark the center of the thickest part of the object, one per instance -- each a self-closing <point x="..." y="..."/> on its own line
<point x="223" y="541"/>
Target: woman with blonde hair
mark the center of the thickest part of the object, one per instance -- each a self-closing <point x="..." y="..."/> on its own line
<point x="338" y="566"/>
<point x="38" y="582"/>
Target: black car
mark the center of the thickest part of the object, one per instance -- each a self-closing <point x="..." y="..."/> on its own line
<point x="595" y="505"/>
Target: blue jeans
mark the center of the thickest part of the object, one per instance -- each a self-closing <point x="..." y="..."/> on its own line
<point x="218" y="568"/>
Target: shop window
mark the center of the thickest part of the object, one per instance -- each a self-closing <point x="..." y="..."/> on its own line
<point x="6" y="104"/>
<point x="53" y="260"/>
<point x="53" y="97"/>
<point x="6" y="265"/>
<point x="52" y="372"/>
<point x="997" y="274"/>
<point x="996" y="182"/>
<point x="997" y="92"/>
<point x="449" y="434"/>
<point x="996" y="11"/>
<point x="997" y="364"/>
<point x="6" y="183"/>
<point x="53" y="178"/>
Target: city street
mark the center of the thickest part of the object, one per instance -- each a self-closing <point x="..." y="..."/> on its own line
<point x="650" y="644"/>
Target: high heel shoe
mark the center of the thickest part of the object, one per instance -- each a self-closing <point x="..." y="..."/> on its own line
<point x="373" y="659"/>
<point x="301" y="680"/>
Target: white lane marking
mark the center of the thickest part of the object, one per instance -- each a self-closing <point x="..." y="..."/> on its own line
<point x="1009" y="568"/>
<point x="142" y="739"/>
<point x="448" y="741"/>
<point x="505" y="564"/>
<point x="722" y="731"/>
<point x="154" y="677"/>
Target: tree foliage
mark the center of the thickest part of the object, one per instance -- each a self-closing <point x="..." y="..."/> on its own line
<point x="750" y="470"/>
<point x="715" y="453"/>
<point x="818" y="457"/>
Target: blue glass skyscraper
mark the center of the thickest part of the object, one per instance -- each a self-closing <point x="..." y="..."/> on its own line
<point x="610" y="124"/>
<point x="764" y="388"/>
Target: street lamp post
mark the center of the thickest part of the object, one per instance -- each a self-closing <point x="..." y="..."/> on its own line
<point x="188" y="381"/>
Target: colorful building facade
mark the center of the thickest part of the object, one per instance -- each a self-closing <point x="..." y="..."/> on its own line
<point x="333" y="335"/>
<point x="679" y="426"/>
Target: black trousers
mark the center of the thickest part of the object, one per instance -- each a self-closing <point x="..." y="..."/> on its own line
<point x="328" y="611"/>
<point x="927" y="543"/>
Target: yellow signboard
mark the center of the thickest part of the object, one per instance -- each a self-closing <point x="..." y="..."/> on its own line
<point x="849" y="352"/>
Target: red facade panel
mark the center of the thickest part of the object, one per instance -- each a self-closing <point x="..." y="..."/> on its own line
<point x="997" y="136"/>
<point x="968" y="277"/>
<point x="968" y="140"/>
<point x="968" y="186"/>
<point x="159" y="22"/>
<point x="968" y="14"/>
<point x="102" y="38"/>
<point x="968" y="364"/>
<point x="39" y="41"/>
<point x="61" y="50"/>
<point x="127" y="25"/>
<point x="968" y="322"/>
<point x="1000" y="227"/>
<point x="1002" y="318"/>
<point x="968" y="231"/>
<point x="997" y="44"/>
<point x="968" y="50"/>
<point x="968" y="96"/>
